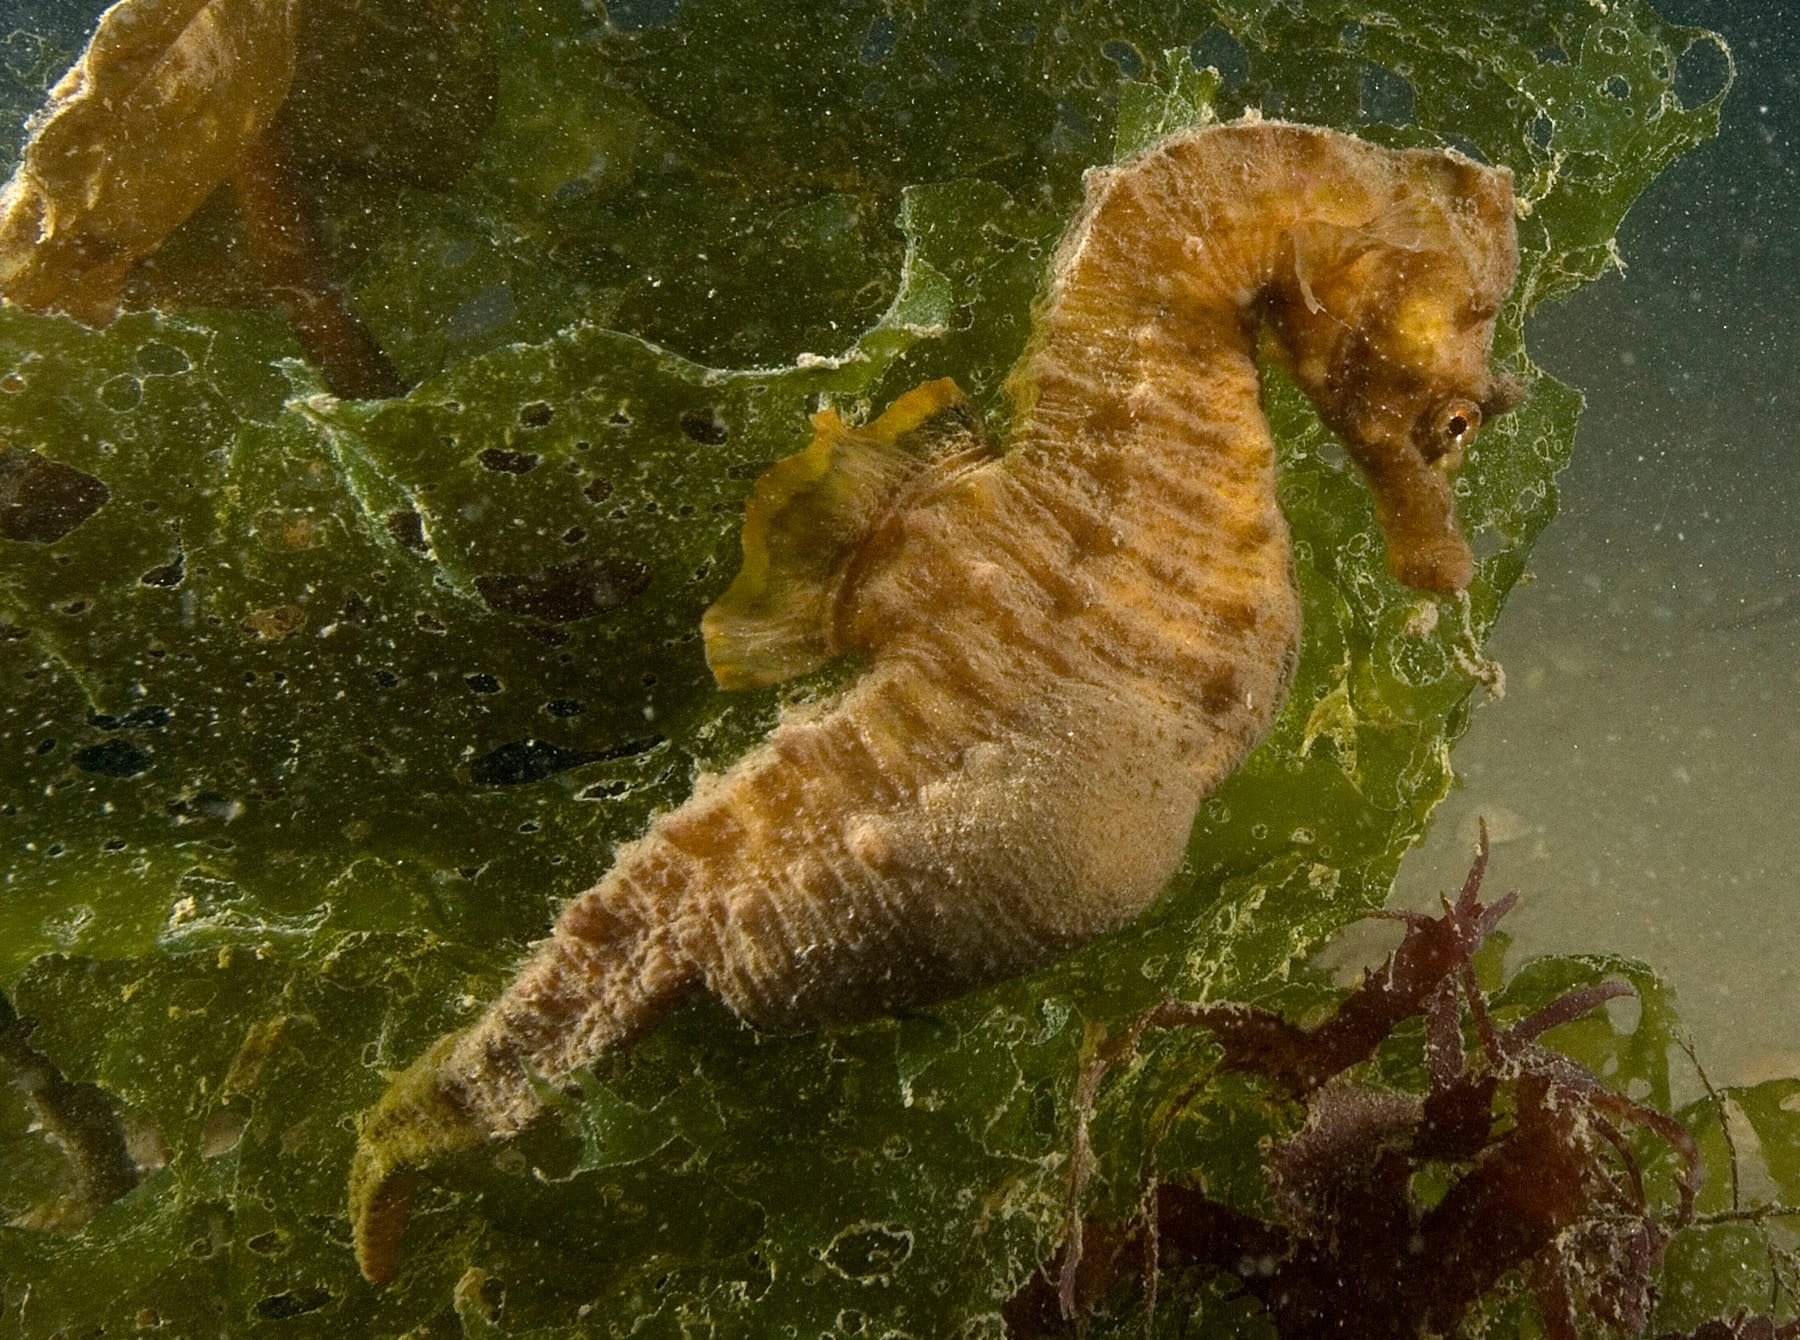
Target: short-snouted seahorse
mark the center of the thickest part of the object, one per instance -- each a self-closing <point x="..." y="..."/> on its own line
<point x="1068" y="644"/>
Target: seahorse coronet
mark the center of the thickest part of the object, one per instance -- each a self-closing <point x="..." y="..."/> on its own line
<point x="1067" y="644"/>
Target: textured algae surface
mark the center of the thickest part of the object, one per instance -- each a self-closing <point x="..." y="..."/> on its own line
<point x="318" y="709"/>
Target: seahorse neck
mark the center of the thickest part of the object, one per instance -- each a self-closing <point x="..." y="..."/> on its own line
<point x="1144" y="386"/>
<point x="1162" y="280"/>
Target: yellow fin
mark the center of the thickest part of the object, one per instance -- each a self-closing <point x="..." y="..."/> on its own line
<point x="807" y="520"/>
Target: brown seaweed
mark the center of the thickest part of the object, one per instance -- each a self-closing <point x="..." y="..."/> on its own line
<point x="1543" y="1179"/>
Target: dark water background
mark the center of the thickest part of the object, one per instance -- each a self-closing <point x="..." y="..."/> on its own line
<point x="1642" y="774"/>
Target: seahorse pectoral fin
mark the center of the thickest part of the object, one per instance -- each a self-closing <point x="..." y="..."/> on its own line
<point x="809" y="519"/>
<point x="415" y="1123"/>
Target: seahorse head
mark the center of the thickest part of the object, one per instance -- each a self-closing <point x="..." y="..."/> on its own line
<point x="1389" y="322"/>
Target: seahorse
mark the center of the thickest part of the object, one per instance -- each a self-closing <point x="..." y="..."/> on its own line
<point x="1066" y="645"/>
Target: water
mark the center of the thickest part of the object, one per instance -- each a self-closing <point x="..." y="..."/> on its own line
<point x="1642" y="775"/>
<point x="1639" y="777"/>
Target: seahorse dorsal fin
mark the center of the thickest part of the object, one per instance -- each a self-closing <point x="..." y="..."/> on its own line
<point x="807" y="520"/>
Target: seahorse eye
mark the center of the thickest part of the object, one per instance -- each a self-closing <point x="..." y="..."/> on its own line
<point x="1452" y="430"/>
<point x="1461" y="420"/>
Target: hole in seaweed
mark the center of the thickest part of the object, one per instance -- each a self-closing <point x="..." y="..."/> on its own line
<point x="597" y="490"/>
<point x="42" y="500"/>
<point x="1127" y="57"/>
<point x="536" y="414"/>
<point x="878" y="42"/>
<point x="1224" y="53"/>
<point x="1553" y="55"/>
<point x="519" y="762"/>
<point x="565" y="707"/>
<point x="1701" y="72"/>
<point x="482" y="683"/>
<point x="574" y="535"/>
<point x="1466" y="147"/>
<point x="565" y="592"/>
<point x="222" y="1131"/>
<point x="169" y="574"/>
<point x="1487" y="543"/>
<point x="151" y="716"/>
<point x="292" y="1303"/>
<point x="121" y="393"/>
<point x="1624" y="1014"/>
<point x="156" y="359"/>
<point x="705" y="427"/>
<point x="113" y="758"/>
<point x="506" y="462"/>
<point x="1617" y="87"/>
<point x="407" y="528"/>
<point x="1386" y="97"/>
<point x="1540" y="130"/>
<point x="869" y="1251"/>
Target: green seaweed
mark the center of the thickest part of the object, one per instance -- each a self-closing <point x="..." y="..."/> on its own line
<point x="316" y="719"/>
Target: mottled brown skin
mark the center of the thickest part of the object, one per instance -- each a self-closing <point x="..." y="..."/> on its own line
<point x="1068" y="645"/>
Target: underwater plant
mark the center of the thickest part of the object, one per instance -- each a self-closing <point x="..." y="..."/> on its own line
<point x="175" y="100"/>
<point x="1393" y="1214"/>
<point x="319" y="708"/>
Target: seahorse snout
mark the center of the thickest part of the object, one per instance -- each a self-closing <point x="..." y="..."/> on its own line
<point x="1443" y="565"/>
<point x="1425" y="545"/>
